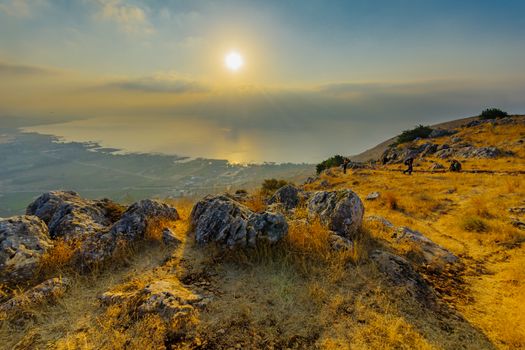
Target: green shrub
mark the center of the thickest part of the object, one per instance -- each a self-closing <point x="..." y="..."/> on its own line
<point x="492" y="113"/>
<point x="269" y="186"/>
<point x="474" y="224"/>
<point x="331" y="162"/>
<point x="410" y="135"/>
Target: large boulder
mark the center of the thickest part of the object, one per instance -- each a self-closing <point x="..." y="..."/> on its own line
<point x="341" y="211"/>
<point x="399" y="272"/>
<point x="99" y="248"/>
<point x="69" y="215"/>
<point x="133" y="222"/>
<point x="23" y="241"/>
<point x="222" y="220"/>
<point x="287" y="195"/>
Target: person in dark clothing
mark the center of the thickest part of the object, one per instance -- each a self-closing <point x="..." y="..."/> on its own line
<point x="409" y="162"/>
<point x="455" y="166"/>
<point x="346" y="161"/>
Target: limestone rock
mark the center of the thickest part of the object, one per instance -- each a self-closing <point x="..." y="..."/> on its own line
<point x="441" y="132"/>
<point x="169" y="238"/>
<point x="133" y="223"/>
<point x="437" y="166"/>
<point x="339" y="243"/>
<point x="169" y="299"/>
<point x="432" y="253"/>
<point x="287" y="195"/>
<point x="372" y="196"/>
<point x="381" y="220"/>
<point x="68" y="215"/>
<point x="341" y="211"/>
<point x="222" y="220"/>
<point x="100" y="247"/>
<point x="23" y="241"/>
<point x="45" y="292"/>
<point x="399" y="272"/>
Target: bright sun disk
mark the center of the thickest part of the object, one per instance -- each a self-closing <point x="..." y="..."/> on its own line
<point x="233" y="61"/>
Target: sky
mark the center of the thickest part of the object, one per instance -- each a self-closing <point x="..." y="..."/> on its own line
<point x="319" y="77"/>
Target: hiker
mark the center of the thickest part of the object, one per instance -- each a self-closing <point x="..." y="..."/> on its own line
<point x="346" y="161"/>
<point x="410" y="163"/>
<point x="455" y="166"/>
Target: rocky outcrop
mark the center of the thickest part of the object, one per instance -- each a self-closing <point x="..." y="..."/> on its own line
<point x="45" y="292"/>
<point x="341" y="211"/>
<point x="287" y="195"/>
<point x="478" y="152"/>
<point x="399" y="272"/>
<point x="380" y="220"/>
<point x="97" y="249"/>
<point x="168" y="299"/>
<point x="133" y="222"/>
<point x="23" y="241"/>
<point x="441" y="132"/>
<point x="69" y="215"/>
<point x="431" y="254"/>
<point x="222" y="220"/>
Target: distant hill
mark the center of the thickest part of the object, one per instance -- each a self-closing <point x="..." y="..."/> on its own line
<point x="375" y="152"/>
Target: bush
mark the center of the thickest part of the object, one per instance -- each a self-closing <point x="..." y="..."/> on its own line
<point x="410" y="135"/>
<point x="492" y="113"/>
<point x="334" y="161"/>
<point x="269" y="186"/>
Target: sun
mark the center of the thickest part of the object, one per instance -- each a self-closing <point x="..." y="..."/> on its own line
<point x="233" y="61"/>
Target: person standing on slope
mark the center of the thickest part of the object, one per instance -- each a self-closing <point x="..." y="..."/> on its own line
<point x="345" y="164"/>
<point x="409" y="162"/>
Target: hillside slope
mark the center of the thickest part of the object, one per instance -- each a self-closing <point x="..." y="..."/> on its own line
<point x="375" y="152"/>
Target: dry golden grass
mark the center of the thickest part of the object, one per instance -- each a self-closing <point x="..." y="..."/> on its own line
<point x="301" y="294"/>
<point x="58" y="258"/>
<point x="256" y="202"/>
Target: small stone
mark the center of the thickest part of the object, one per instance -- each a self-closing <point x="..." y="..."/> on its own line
<point x="169" y="238"/>
<point x="372" y="196"/>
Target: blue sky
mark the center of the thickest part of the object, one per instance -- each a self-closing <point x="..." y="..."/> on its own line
<point x="378" y="66"/>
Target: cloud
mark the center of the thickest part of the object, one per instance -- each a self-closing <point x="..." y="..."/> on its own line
<point x="159" y="84"/>
<point x="20" y="8"/>
<point x="130" y="18"/>
<point x="8" y="69"/>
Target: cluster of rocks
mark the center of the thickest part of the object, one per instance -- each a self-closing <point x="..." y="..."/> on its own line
<point x="222" y="220"/>
<point x="424" y="251"/>
<point x="397" y="154"/>
<point x="97" y="225"/>
<point x="498" y="121"/>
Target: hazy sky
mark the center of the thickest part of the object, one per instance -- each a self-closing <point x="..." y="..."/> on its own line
<point x="320" y="77"/>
